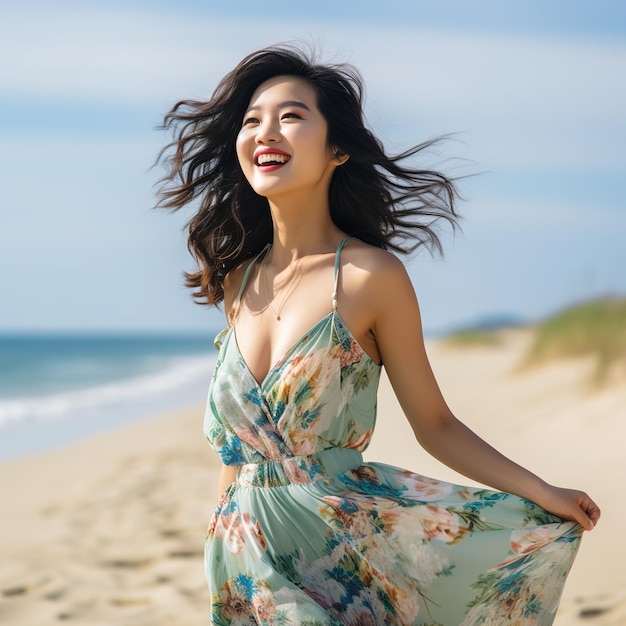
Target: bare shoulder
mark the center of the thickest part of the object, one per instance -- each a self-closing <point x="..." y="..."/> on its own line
<point x="369" y="257"/>
<point x="373" y="282"/>
<point x="372" y="267"/>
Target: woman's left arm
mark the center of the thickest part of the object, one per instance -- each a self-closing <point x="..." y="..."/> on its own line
<point x="398" y="331"/>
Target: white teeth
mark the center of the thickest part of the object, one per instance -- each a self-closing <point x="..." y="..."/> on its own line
<point x="269" y="157"/>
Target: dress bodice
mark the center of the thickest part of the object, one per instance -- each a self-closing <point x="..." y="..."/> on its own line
<point x="321" y="394"/>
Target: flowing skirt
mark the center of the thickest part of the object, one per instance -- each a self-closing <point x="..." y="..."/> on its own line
<point x="327" y="539"/>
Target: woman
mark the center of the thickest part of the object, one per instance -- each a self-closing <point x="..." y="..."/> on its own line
<point x="299" y="205"/>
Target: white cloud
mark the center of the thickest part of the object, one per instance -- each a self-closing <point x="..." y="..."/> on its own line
<point x="112" y="55"/>
<point x="519" y="100"/>
<point x="121" y="53"/>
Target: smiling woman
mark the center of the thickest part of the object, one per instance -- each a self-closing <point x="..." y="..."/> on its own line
<point x="284" y="113"/>
<point x="299" y="206"/>
<point x="234" y="223"/>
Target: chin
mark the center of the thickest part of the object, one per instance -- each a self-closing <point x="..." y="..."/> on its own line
<point x="270" y="191"/>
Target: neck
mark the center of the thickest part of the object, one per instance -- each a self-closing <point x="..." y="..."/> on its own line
<point x="301" y="230"/>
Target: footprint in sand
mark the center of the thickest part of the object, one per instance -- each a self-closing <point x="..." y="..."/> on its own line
<point x="129" y="602"/>
<point x="591" y="612"/>
<point x="138" y="563"/>
<point x="57" y="594"/>
<point x="11" y="592"/>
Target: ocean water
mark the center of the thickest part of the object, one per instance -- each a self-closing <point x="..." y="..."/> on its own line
<point x="56" y="388"/>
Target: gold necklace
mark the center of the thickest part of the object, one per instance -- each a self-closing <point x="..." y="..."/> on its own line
<point x="292" y="283"/>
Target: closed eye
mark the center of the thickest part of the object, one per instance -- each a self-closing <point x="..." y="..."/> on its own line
<point x="291" y="115"/>
<point x="250" y="120"/>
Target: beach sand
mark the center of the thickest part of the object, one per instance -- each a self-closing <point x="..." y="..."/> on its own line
<point x="110" y="530"/>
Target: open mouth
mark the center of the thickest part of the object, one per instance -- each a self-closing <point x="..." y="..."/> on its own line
<point x="271" y="158"/>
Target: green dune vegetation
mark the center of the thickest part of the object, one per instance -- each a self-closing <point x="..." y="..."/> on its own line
<point x="595" y="329"/>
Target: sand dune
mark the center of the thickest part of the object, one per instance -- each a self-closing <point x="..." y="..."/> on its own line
<point x="111" y="530"/>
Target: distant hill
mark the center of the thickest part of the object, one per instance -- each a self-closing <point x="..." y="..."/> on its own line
<point x="495" y="321"/>
<point x="484" y="330"/>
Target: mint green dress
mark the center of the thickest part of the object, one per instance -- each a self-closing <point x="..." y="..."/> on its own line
<point x="309" y="534"/>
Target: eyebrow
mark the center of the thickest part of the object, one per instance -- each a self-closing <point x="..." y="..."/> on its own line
<point x="287" y="103"/>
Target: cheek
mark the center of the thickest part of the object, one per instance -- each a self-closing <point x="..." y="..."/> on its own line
<point x="239" y="147"/>
<point x="243" y="154"/>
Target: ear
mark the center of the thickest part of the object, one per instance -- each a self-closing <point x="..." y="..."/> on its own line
<point x="339" y="158"/>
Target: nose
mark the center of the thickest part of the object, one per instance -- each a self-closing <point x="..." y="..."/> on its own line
<point x="267" y="132"/>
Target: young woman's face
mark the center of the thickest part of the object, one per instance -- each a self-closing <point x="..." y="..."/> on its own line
<point x="282" y="145"/>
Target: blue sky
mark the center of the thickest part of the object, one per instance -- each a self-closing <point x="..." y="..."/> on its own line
<point x="534" y="92"/>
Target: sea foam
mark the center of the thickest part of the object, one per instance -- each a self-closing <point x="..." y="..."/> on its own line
<point x="178" y="374"/>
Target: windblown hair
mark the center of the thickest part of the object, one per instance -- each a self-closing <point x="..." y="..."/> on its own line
<point x="372" y="196"/>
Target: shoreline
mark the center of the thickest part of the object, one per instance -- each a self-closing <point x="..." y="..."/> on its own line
<point x="28" y="439"/>
<point x="110" y="529"/>
<point x="62" y="387"/>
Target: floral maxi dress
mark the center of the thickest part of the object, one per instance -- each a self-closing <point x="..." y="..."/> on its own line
<point x="309" y="534"/>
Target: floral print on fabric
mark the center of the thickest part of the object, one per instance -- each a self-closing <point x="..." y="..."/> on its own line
<point x="309" y="534"/>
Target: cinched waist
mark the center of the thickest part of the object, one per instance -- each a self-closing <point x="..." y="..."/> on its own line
<point x="295" y="470"/>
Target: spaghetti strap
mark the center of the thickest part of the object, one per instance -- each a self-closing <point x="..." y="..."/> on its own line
<point x="342" y="243"/>
<point x="246" y="275"/>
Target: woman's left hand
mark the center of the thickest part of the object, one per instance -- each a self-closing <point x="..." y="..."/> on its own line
<point x="571" y="504"/>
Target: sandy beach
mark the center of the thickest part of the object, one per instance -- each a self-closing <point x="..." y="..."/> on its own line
<point x="111" y="530"/>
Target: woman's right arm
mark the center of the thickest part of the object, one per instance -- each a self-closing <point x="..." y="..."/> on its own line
<point x="399" y="339"/>
<point x="227" y="478"/>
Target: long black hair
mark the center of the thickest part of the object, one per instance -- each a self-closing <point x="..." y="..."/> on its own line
<point x="372" y="196"/>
